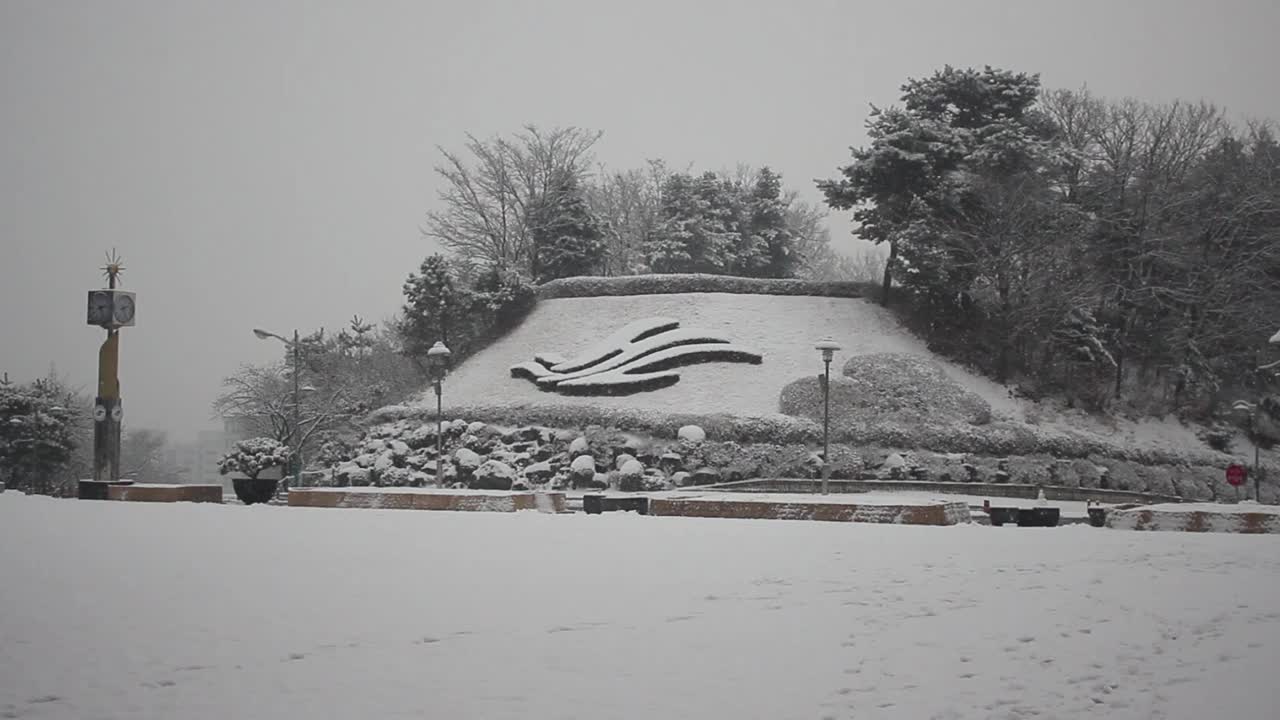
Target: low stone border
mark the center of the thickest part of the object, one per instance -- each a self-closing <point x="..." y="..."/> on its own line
<point x="943" y="513"/>
<point x="429" y="499"/>
<point x="1145" y="518"/>
<point x="166" y="493"/>
<point x="1006" y="490"/>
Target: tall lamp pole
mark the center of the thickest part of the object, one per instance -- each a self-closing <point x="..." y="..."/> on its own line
<point x="828" y="347"/>
<point x="296" y="347"/>
<point x="438" y="366"/>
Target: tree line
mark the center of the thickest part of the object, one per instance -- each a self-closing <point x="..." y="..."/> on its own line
<point x="1105" y="249"/>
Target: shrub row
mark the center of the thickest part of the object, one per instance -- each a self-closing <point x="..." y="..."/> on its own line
<point x="997" y="439"/>
<point x="669" y="284"/>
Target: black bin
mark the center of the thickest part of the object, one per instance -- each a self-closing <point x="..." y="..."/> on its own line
<point x="1039" y="517"/>
<point x="596" y="504"/>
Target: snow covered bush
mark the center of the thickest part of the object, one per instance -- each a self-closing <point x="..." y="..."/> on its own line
<point x="659" y="284"/>
<point x="253" y="456"/>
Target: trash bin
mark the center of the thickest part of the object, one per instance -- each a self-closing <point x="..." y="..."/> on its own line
<point x="1098" y="517"/>
<point x="1039" y="517"/>
<point x="1002" y="515"/>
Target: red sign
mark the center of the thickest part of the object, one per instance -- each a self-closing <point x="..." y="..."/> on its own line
<point x="1236" y="474"/>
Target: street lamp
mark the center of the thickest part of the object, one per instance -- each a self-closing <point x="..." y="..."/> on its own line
<point x="438" y="366"/>
<point x="828" y="347"/>
<point x="296" y="347"/>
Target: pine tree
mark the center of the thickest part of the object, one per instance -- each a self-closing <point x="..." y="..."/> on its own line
<point x="567" y="238"/>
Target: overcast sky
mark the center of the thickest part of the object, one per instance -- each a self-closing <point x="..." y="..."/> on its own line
<point x="269" y="163"/>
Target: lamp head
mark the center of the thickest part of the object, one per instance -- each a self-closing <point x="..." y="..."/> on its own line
<point x="438" y="358"/>
<point x="262" y="334"/>
<point x="828" y="348"/>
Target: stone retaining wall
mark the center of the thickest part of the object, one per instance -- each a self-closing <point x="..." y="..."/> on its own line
<point x="1027" y="492"/>
<point x="937" y="514"/>
<point x="1249" y="523"/>
<point x="166" y="493"/>
<point x="392" y="499"/>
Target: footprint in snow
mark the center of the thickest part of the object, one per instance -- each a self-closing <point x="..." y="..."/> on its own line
<point x="294" y="656"/>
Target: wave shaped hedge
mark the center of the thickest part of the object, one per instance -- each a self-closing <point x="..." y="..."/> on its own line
<point x="694" y="283"/>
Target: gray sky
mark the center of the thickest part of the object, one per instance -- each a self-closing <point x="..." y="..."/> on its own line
<point x="269" y="163"/>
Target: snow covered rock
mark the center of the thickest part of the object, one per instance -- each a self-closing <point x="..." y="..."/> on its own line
<point x="399" y="448"/>
<point x="623" y="459"/>
<point x="579" y="446"/>
<point x="394" y="477"/>
<point x="895" y="461"/>
<point x="691" y="434"/>
<point x="494" y="475"/>
<point x="681" y="479"/>
<point x="631" y="476"/>
<point x="385" y="462"/>
<point x="583" y="468"/>
<point x="539" y="472"/>
<point x="466" y="459"/>
<point x="706" y="476"/>
<point x="476" y="428"/>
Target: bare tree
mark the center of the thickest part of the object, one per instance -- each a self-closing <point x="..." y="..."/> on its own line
<point x="261" y="399"/>
<point x="483" y="219"/>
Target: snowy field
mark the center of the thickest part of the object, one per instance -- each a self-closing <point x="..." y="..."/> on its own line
<point x="120" y="610"/>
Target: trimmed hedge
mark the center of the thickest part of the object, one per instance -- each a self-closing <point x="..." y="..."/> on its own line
<point x="997" y="439"/>
<point x="671" y="284"/>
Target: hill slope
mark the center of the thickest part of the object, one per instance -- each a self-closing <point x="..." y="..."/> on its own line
<point x="782" y="329"/>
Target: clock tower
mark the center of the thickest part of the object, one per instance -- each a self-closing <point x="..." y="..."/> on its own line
<point x="110" y="309"/>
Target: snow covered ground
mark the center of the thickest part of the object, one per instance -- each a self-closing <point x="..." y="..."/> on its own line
<point x="124" y="610"/>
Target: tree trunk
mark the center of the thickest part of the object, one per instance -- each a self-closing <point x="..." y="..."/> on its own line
<point x="887" y="284"/>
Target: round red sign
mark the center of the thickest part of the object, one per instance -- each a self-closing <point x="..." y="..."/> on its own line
<point x="1236" y="474"/>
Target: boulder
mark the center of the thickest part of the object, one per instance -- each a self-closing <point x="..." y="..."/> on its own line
<point x="670" y="461"/>
<point x="466" y="460"/>
<point x="623" y="459"/>
<point x="582" y="469"/>
<point x="631" y="476"/>
<point x="384" y="462"/>
<point x="494" y="475"/>
<point x="706" y="476"/>
<point x="476" y="428"/>
<point x="399" y="448"/>
<point x="681" y="479"/>
<point x="691" y="434"/>
<point x="539" y="472"/>
<point x="579" y="446"/>
<point x="365" y="460"/>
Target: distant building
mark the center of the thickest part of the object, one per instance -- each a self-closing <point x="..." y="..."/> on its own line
<point x="210" y="445"/>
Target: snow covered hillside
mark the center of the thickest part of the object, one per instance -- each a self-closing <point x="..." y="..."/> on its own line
<point x="194" y="612"/>
<point x="782" y="328"/>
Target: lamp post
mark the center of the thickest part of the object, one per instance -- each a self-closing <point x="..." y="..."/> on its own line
<point x="828" y="347"/>
<point x="296" y="347"/>
<point x="438" y="366"/>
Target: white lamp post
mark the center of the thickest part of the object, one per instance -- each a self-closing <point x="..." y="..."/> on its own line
<point x="828" y="348"/>
<point x="438" y="366"/>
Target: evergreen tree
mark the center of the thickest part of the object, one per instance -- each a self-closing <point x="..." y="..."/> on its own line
<point x="567" y="238"/>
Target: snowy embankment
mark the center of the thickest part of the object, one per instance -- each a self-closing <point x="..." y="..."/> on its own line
<point x="123" y="610"/>
<point x="783" y="329"/>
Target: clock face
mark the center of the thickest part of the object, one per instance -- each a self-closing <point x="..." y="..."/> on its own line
<point x="99" y="308"/>
<point x="124" y="309"/>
